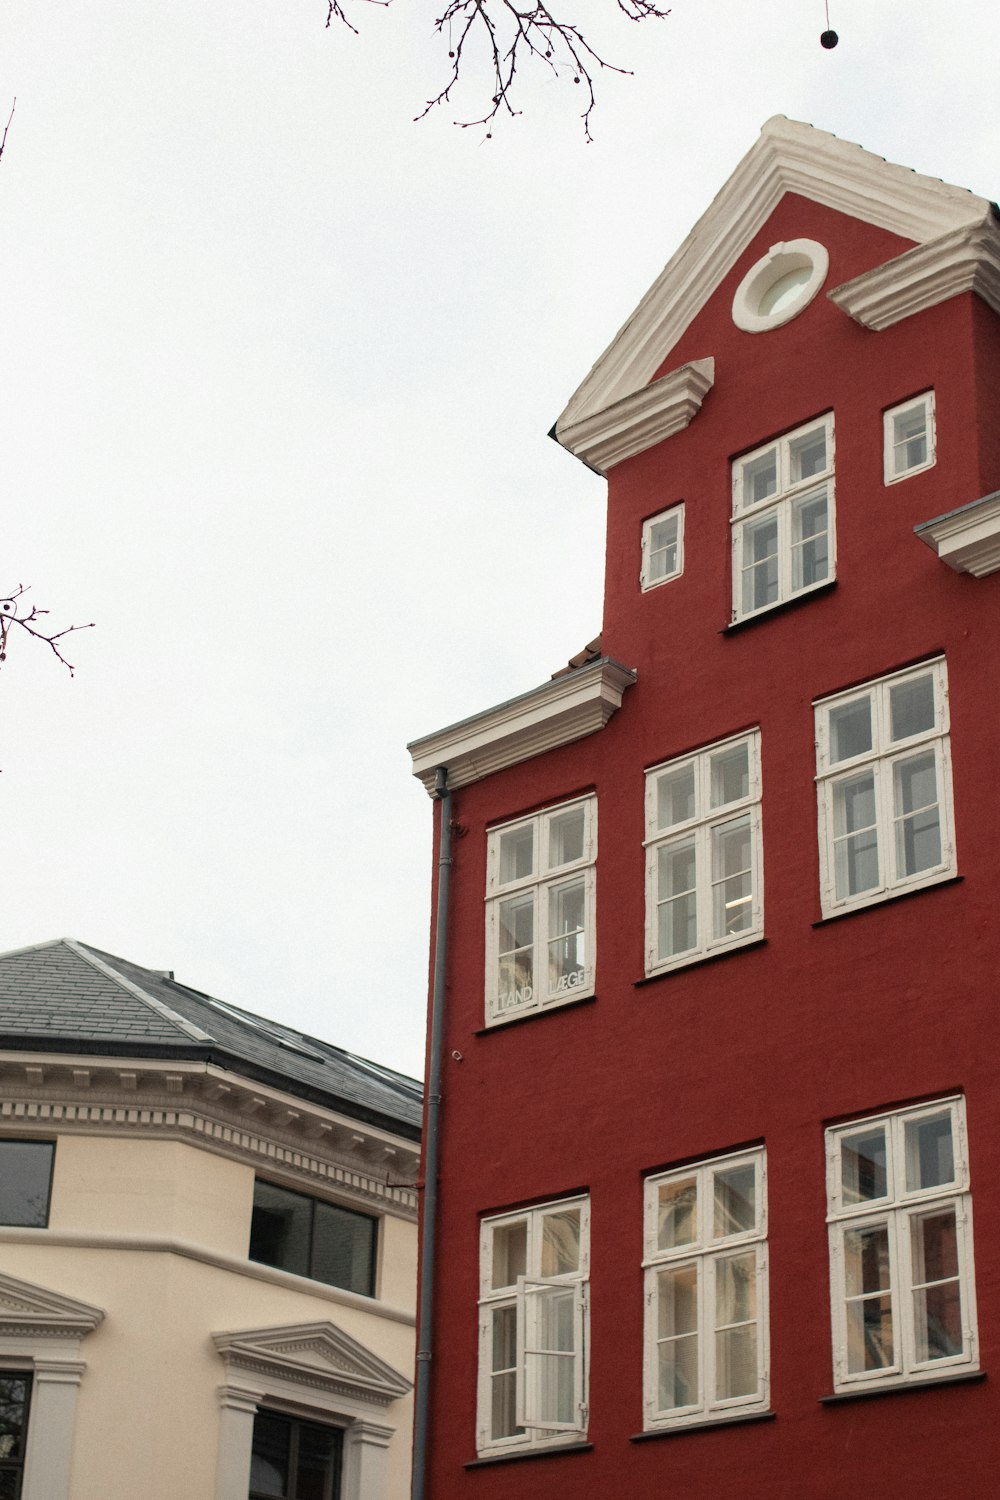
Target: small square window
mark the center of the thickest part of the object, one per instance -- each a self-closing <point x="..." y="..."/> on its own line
<point x="662" y="548"/>
<point x="910" y="443"/>
<point x="310" y="1237"/>
<point x="25" y="1182"/>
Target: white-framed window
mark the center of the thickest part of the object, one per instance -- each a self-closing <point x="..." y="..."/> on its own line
<point x="783" y="519"/>
<point x="884" y="788"/>
<point x="705" y="1268"/>
<point x="901" y="1270"/>
<point x="540" y="909"/>
<point x="704" y="888"/>
<point x="910" y="439"/>
<point x="662" y="547"/>
<point x="533" y="1326"/>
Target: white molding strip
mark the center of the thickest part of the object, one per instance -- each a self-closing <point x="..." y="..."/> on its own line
<point x="789" y="157"/>
<point x="567" y="708"/>
<point x="966" y="260"/>
<point x="647" y="416"/>
<point x="151" y="1244"/>
<point x="967" y="539"/>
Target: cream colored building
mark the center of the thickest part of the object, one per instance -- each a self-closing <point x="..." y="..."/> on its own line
<point x="207" y="1246"/>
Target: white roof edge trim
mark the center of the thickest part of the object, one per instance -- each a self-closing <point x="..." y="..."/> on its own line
<point x="649" y="415"/>
<point x="967" y="539"/>
<point x="789" y="156"/>
<point x="965" y="260"/>
<point x="158" y="1006"/>
<point x="567" y="708"/>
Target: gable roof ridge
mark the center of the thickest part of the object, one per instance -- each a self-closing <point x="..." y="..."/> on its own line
<point x="136" y="992"/>
<point x="789" y="156"/>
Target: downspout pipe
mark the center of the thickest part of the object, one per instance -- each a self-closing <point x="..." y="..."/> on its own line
<point x="425" y="1308"/>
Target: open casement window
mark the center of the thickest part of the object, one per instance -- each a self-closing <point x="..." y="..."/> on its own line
<point x="703" y="853"/>
<point x="909" y="438"/>
<point x="901" y="1268"/>
<point x="705" y="1268"/>
<point x="884" y="785"/>
<point x="662" y="548"/>
<point x="540" y="910"/>
<point x="533" y="1327"/>
<point x="783" y="519"/>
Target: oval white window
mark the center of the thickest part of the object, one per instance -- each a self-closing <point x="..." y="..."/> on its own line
<point x="780" y="285"/>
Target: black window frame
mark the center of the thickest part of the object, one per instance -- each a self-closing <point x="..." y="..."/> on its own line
<point x="265" y="1255"/>
<point x="332" y="1478"/>
<point x="41" y="1218"/>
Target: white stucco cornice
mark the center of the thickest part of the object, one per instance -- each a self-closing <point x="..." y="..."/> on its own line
<point x="965" y="260"/>
<point x="789" y="157"/>
<point x="967" y="539"/>
<point x="647" y="416"/>
<point x="35" y="1312"/>
<point x="313" y="1354"/>
<point x="567" y="708"/>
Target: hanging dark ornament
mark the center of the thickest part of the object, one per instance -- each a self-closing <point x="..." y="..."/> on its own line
<point x="829" y="40"/>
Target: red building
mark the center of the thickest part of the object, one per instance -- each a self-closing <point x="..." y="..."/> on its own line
<point x="719" y="1035"/>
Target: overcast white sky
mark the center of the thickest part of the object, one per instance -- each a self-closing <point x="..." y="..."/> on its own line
<point x="277" y="368"/>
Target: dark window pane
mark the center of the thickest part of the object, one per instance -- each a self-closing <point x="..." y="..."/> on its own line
<point x="25" y="1176"/>
<point x="344" y="1249"/>
<point x="293" y="1460"/>
<point x="319" y="1451"/>
<point x="280" y="1228"/>
<point x="15" y="1391"/>
<point x="269" y="1464"/>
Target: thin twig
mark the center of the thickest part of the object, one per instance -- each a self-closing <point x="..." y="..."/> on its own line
<point x="27" y="617"/>
<point x="7" y="126"/>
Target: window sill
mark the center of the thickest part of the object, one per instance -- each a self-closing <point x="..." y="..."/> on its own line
<point x="889" y="899"/>
<point x="781" y="608"/>
<point x="699" y="960"/>
<point x="741" y="1419"/>
<point x="904" y="1388"/>
<point x="523" y="1455"/>
<point x="534" y="1015"/>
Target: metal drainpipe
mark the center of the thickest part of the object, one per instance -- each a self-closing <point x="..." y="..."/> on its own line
<point x="421" y="1407"/>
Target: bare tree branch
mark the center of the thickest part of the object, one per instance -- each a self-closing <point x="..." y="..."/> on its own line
<point x="16" y="610"/>
<point x="7" y="126"/>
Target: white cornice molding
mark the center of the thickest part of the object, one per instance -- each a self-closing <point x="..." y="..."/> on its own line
<point x="35" y="1312"/>
<point x="318" y="1355"/>
<point x="645" y="417"/>
<point x="966" y="260"/>
<point x="967" y="539"/>
<point x="789" y="157"/>
<point x="567" y="708"/>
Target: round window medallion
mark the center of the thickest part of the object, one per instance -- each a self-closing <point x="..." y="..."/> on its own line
<point x="780" y="285"/>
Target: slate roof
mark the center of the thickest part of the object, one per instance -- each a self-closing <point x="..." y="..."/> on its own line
<point x="65" y="996"/>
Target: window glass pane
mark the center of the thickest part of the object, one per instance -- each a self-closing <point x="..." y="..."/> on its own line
<point x="675" y="798"/>
<point x="810" y="550"/>
<point x="730" y="774"/>
<point x="735" y="1289"/>
<point x="13" y="1408"/>
<point x="863" y="1166"/>
<point x="319" y="1450"/>
<point x="909" y="434"/>
<point x="344" y="1248"/>
<point x="735" y="1327"/>
<point x="760" y="477"/>
<point x="870" y="1343"/>
<point x="677" y="904"/>
<point x="930" y="1152"/>
<point x="567" y="908"/>
<point x="280" y="1228"/>
<point x="937" y="1301"/>
<point x="735" y="1200"/>
<point x="269" y="1463"/>
<point x="781" y="292"/>
<point x="504" y="1373"/>
<point x="561" y="1242"/>
<point x="517" y="853"/>
<point x="551" y="1363"/>
<point x="25" y="1175"/>
<point x="663" y="537"/>
<point x="732" y="892"/>
<point x="918" y="829"/>
<point x="850" y="730"/>
<point x="912" y="706"/>
<point x="677" y="1213"/>
<point x="855" y="837"/>
<point x="517" y="953"/>
<point x="808" y="454"/>
<point x="566" y="832"/>
<point x="510" y="1253"/>
<point x="760" y="563"/>
<point x="677" y="1337"/>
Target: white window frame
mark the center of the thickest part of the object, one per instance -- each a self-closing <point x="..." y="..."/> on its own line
<point x="646" y="578"/>
<point x="699" y="829"/>
<point x="884" y="755"/>
<point x="705" y="1253"/>
<point x="526" y="1295"/>
<point x="783" y="505"/>
<point x="892" y="472"/>
<point x="544" y="879"/>
<point x="896" y="1210"/>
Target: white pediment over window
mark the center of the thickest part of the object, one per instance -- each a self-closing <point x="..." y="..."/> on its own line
<point x="319" y="1355"/>
<point x="30" y="1311"/>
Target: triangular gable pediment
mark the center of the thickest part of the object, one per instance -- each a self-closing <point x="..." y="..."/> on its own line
<point x="310" y="1352"/>
<point x="38" y="1312"/>
<point x="789" y="157"/>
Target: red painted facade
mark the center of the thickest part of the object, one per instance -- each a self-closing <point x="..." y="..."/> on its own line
<point x="891" y="1003"/>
